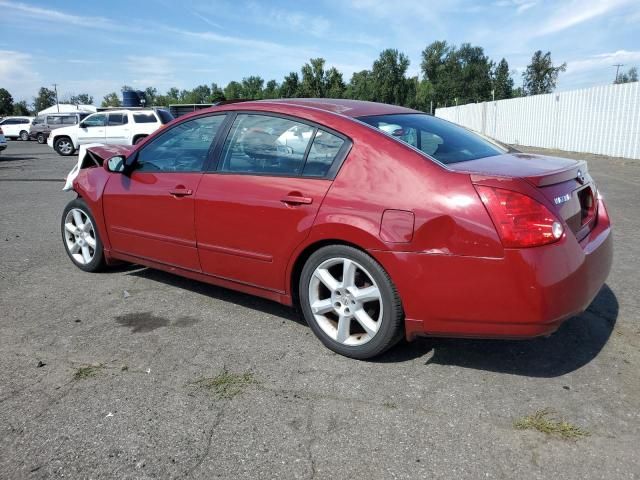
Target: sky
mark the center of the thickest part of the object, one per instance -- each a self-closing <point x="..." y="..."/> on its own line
<point x="96" y="47"/>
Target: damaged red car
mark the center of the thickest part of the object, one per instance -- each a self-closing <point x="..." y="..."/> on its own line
<point x="379" y="222"/>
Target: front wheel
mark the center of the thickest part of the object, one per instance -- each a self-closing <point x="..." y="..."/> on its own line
<point x="64" y="146"/>
<point x="350" y="302"/>
<point x="24" y="136"/>
<point x="80" y="237"/>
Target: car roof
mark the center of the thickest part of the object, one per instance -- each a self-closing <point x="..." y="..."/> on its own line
<point x="349" y="108"/>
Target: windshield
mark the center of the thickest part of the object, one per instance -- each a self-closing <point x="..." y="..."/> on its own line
<point x="439" y="139"/>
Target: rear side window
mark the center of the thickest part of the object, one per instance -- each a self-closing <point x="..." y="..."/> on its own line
<point x="38" y="120"/>
<point x="54" y="120"/>
<point x="183" y="148"/>
<point x="324" y="150"/>
<point x="70" y="120"/>
<point x="144" y="118"/>
<point x="444" y="141"/>
<point x="261" y="144"/>
<point x="117" y="119"/>
<point x="165" y="117"/>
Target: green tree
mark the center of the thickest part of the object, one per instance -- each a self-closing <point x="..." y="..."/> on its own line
<point x="6" y="102"/>
<point x="360" y="87"/>
<point x="216" y="93"/>
<point x="45" y="99"/>
<point x="541" y="75"/>
<point x="388" y="77"/>
<point x="630" y="76"/>
<point x="111" y="100"/>
<point x="313" y="79"/>
<point x="233" y="91"/>
<point x="290" y="86"/>
<point x="252" y="87"/>
<point x="502" y="81"/>
<point x="335" y="87"/>
<point x="21" y="108"/>
<point x="272" y="90"/>
<point x="81" y="99"/>
<point x="151" y="96"/>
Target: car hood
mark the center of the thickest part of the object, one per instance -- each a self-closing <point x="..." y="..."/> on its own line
<point x="94" y="154"/>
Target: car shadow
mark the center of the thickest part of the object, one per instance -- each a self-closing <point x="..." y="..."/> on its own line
<point x="215" y="292"/>
<point x="575" y="344"/>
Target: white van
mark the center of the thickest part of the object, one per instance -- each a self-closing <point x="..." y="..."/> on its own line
<point x="16" y="127"/>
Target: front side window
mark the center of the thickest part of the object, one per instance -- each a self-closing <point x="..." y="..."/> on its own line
<point x="183" y="148"/>
<point x="444" y="141"/>
<point x="98" y="120"/>
<point x="144" y="118"/>
<point x="262" y="144"/>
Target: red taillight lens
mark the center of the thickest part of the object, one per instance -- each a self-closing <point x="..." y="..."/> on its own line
<point x="520" y="220"/>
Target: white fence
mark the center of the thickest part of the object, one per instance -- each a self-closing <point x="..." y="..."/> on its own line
<point x="603" y="120"/>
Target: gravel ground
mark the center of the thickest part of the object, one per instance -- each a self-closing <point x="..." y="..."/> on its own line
<point x="135" y="373"/>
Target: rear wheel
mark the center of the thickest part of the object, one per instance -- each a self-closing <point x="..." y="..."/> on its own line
<point x="80" y="237"/>
<point x="24" y="135"/>
<point x="350" y="302"/>
<point x="64" y="146"/>
<point x="40" y="138"/>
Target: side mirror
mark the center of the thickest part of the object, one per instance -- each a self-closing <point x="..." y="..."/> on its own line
<point x="82" y="125"/>
<point x="115" y="164"/>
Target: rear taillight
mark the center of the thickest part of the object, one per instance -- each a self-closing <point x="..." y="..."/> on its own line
<point x="520" y="220"/>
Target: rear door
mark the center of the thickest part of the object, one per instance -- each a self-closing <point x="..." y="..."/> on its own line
<point x="261" y="200"/>
<point x="117" y="131"/>
<point x="150" y="212"/>
<point x="92" y="129"/>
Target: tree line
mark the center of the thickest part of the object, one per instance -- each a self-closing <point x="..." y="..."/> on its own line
<point x="449" y="75"/>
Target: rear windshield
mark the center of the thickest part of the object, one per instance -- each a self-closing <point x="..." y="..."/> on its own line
<point x="439" y="139"/>
<point x="165" y="116"/>
<point x="144" y="118"/>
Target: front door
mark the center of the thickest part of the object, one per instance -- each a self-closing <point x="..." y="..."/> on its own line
<point x="261" y="202"/>
<point x="150" y="212"/>
<point x="92" y="129"/>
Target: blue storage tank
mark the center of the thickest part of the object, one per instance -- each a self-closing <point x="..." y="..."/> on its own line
<point x="132" y="98"/>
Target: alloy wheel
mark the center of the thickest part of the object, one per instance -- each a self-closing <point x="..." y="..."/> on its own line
<point x="345" y="301"/>
<point x="80" y="236"/>
<point x="65" y="147"/>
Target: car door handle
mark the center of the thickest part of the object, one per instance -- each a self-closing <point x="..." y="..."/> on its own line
<point x="181" y="192"/>
<point x="297" y="200"/>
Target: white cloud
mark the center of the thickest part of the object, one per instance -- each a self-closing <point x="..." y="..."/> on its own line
<point x="57" y="16"/>
<point x="576" y="12"/>
<point x="604" y="61"/>
<point x="18" y="75"/>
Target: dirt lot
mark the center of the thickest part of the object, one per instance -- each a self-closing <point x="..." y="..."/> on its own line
<point x="136" y="373"/>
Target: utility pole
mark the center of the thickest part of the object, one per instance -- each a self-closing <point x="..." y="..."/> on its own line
<point x="55" y="88"/>
<point x="617" y="65"/>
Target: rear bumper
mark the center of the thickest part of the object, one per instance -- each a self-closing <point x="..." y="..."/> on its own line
<point x="526" y="293"/>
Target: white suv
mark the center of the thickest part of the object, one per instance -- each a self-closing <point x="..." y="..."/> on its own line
<point x="115" y="127"/>
<point x="16" y="127"/>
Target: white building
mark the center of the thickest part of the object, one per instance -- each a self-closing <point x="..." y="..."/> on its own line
<point x="68" y="108"/>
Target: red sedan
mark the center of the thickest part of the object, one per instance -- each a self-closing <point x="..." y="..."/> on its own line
<point x="378" y="221"/>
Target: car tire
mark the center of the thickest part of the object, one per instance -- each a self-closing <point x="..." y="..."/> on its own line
<point x="40" y="138"/>
<point x="358" y="315"/>
<point x="80" y="237"/>
<point x="64" y="146"/>
<point x="24" y="135"/>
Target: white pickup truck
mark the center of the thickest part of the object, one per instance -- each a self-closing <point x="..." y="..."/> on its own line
<point x="115" y="127"/>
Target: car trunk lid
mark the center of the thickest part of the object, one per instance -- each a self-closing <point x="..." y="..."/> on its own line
<point x="566" y="183"/>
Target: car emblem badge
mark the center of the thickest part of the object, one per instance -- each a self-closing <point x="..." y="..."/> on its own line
<point x="562" y="199"/>
<point x="580" y="177"/>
